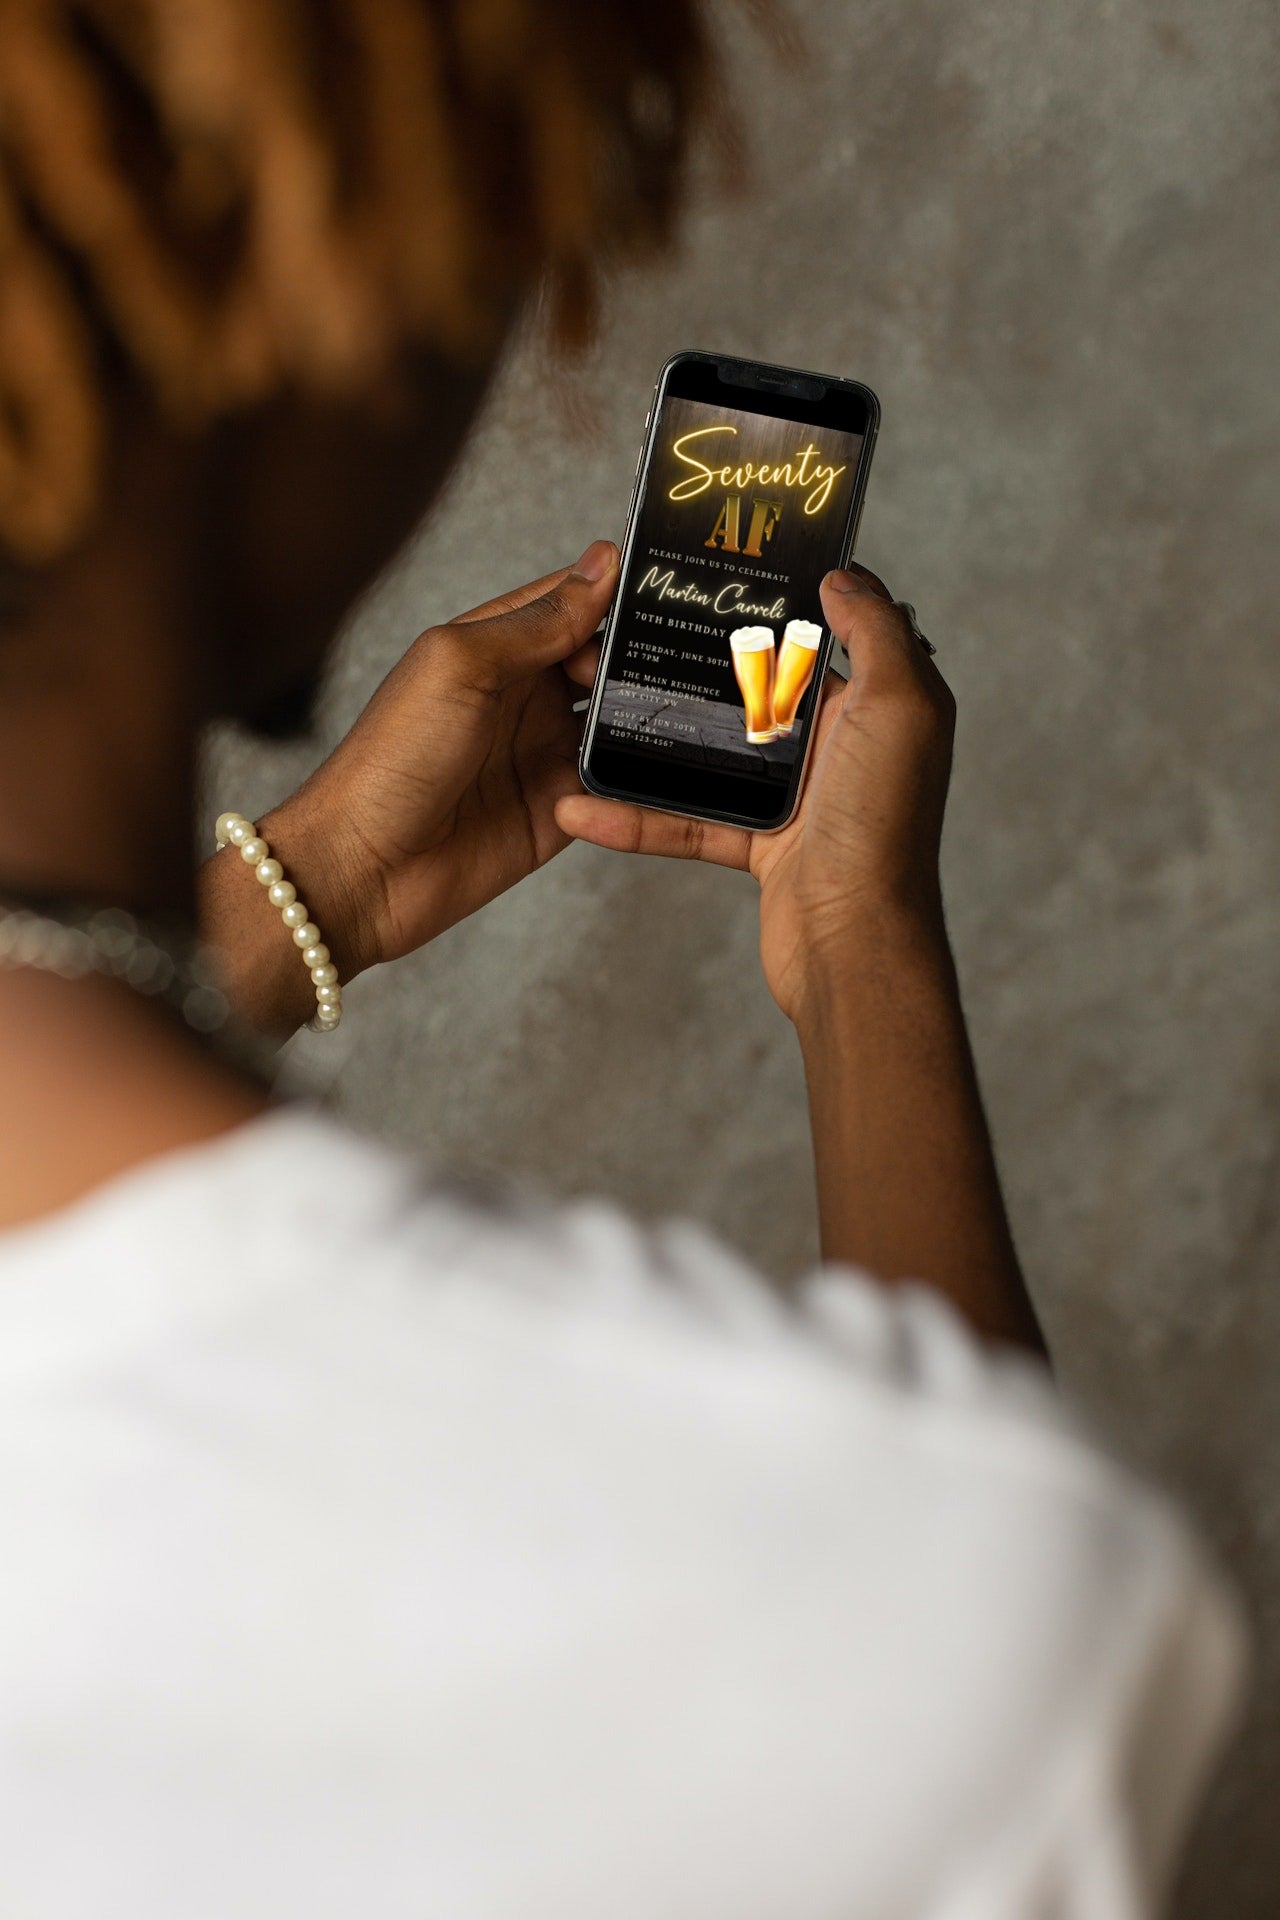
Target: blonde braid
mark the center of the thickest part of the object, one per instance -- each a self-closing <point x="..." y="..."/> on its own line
<point x="243" y="197"/>
<point x="420" y="228"/>
<point x="50" y="430"/>
<point x="53" y="119"/>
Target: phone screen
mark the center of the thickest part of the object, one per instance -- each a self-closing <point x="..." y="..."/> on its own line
<point x="717" y="642"/>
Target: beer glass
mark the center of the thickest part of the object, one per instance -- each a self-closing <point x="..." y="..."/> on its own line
<point x="797" y="658"/>
<point x="752" y="649"/>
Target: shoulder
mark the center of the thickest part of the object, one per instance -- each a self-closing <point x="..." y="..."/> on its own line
<point x="616" y="1540"/>
<point x="660" y="1320"/>
<point x="296" y="1202"/>
<point x="295" y="1209"/>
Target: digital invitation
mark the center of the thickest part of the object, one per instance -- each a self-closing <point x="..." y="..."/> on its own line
<point x="720" y="625"/>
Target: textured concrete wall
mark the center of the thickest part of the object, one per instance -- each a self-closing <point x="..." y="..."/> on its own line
<point x="1047" y="236"/>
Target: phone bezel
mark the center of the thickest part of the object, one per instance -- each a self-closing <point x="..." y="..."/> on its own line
<point x="783" y="393"/>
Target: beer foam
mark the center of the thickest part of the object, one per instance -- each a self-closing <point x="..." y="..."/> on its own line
<point x="803" y="633"/>
<point x="751" y="639"/>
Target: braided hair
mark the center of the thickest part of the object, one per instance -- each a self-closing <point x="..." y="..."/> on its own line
<point x="211" y="202"/>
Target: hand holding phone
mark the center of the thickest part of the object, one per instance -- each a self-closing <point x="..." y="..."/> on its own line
<point x="748" y="491"/>
<point x="854" y="948"/>
<point x="709" y="697"/>
<point x="861" y="851"/>
<point x="439" y="798"/>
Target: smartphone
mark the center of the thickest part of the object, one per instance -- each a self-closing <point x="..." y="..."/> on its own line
<point x="748" y="490"/>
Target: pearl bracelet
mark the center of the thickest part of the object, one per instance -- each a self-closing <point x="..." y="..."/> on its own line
<point x="234" y="830"/>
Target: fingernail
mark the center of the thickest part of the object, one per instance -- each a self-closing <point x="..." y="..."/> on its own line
<point x="841" y="582"/>
<point x="600" y="559"/>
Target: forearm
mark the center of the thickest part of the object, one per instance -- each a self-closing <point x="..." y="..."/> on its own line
<point x="907" y="1182"/>
<point x="261" y="966"/>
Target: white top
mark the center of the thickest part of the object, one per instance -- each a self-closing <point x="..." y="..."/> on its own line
<point x="370" y="1552"/>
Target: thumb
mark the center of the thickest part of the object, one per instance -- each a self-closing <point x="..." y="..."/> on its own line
<point x="544" y="631"/>
<point x="874" y="632"/>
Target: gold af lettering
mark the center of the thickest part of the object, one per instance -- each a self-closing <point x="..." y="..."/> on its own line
<point x="765" y="515"/>
<point x="726" y="533"/>
<point x="726" y="527"/>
